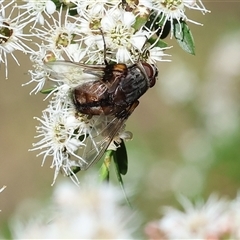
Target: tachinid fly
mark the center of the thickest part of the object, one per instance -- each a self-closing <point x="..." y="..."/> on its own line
<point x="113" y="90"/>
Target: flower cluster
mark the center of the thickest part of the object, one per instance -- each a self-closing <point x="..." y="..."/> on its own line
<point x="90" y="211"/>
<point x="215" y="219"/>
<point x="71" y="43"/>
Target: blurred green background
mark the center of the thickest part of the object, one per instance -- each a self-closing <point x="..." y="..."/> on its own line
<point x="186" y="129"/>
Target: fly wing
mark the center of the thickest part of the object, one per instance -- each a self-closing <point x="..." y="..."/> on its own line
<point x="99" y="140"/>
<point x="72" y="73"/>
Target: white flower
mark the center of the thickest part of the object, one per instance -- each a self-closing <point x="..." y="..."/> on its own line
<point x="46" y="68"/>
<point x="175" y="10"/>
<point x="156" y="54"/>
<point x="61" y="133"/>
<point x="35" y="9"/>
<point x="76" y="52"/>
<point x="231" y="220"/>
<point x="216" y="219"/>
<point x="70" y="138"/>
<point x="92" y="211"/>
<point x="95" y="7"/>
<point x="59" y="34"/>
<point x="121" y="37"/>
<point x="41" y="73"/>
<point x="103" y="31"/>
<point x="122" y="135"/>
<point x="199" y="221"/>
<point x="12" y="36"/>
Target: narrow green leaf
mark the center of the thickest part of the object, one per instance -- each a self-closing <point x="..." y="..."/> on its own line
<point x="104" y="173"/>
<point x="164" y="31"/>
<point x="119" y="177"/>
<point x="159" y="42"/>
<point x="121" y="158"/>
<point x="140" y="21"/>
<point x="184" y="36"/>
<point x="47" y="91"/>
<point x="105" y="168"/>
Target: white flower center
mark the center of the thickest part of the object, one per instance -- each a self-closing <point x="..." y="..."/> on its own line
<point x="61" y="134"/>
<point x="171" y="4"/>
<point x="63" y="40"/>
<point x="120" y="36"/>
<point x="5" y="33"/>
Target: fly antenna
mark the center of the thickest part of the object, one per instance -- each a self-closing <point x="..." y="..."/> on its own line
<point x="139" y="63"/>
<point x="104" y="47"/>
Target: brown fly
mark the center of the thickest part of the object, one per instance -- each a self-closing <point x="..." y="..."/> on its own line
<point x="113" y="90"/>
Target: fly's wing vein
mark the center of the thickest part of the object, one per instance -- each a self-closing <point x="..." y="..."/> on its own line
<point x="98" y="144"/>
<point x="74" y="74"/>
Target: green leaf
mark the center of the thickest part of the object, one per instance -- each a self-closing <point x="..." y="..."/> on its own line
<point x="104" y="173"/>
<point x="121" y="158"/>
<point x="119" y="177"/>
<point x="159" y="42"/>
<point x="184" y="36"/>
<point x="47" y="91"/>
<point x="75" y="170"/>
<point x="140" y="21"/>
<point x="155" y="21"/>
<point x="105" y="168"/>
<point x="160" y="24"/>
<point x="164" y="31"/>
<point x="73" y="12"/>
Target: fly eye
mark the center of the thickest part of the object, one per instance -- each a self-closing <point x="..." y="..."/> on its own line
<point x="151" y="72"/>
